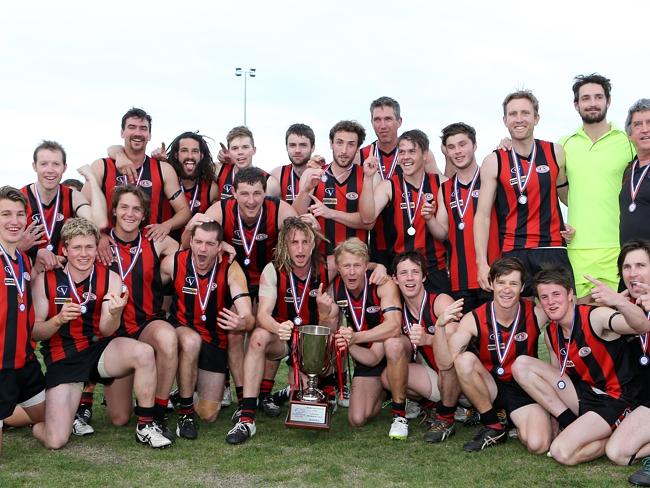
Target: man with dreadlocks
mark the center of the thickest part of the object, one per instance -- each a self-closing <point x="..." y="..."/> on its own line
<point x="291" y="293"/>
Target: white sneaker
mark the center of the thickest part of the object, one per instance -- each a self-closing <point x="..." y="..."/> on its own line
<point x="344" y="400"/>
<point x="413" y="409"/>
<point x="152" y="435"/>
<point x="226" y="401"/>
<point x="80" y="427"/>
<point x="241" y="432"/>
<point x="399" y="429"/>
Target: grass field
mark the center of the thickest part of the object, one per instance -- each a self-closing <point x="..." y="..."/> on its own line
<point x="277" y="456"/>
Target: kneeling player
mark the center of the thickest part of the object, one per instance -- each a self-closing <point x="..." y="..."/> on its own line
<point x="204" y="291"/>
<point x="78" y="308"/>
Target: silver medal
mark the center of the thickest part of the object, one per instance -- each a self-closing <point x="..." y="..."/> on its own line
<point x="323" y="178"/>
<point x="411" y="231"/>
<point x="522" y="199"/>
<point x="49" y="247"/>
<point x="21" y="307"/>
<point x="500" y="371"/>
<point x="632" y="207"/>
<point x="297" y="320"/>
<point x="84" y="309"/>
<point x="561" y="384"/>
<point x="247" y="261"/>
<point x="124" y="289"/>
<point x="203" y="318"/>
<point x="461" y="225"/>
<point x="644" y="360"/>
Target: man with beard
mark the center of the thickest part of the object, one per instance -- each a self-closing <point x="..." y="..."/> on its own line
<point x="596" y="157"/>
<point x="332" y="193"/>
<point x="590" y="384"/>
<point x="204" y="291"/>
<point x="291" y="294"/>
<point x="300" y="141"/>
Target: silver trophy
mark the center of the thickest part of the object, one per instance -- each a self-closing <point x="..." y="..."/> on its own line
<point x="314" y="346"/>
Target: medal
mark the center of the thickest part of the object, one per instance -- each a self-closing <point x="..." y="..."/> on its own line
<point x="248" y="248"/>
<point x="407" y="194"/>
<point x="83" y="309"/>
<point x="643" y="338"/>
<point x="501" y="355"/>
<point x="21" y="307"/>
<point x="73" y="289"/>
<point x="203" y="300"/>
<point x="124" y="288"/>
<point x="644" y="360"/>
<point x="297" y="303"/>
<point x="118" y="257"/>
<point x="20" y="285"/>
<point x="407" y="320"/>
<point x="523" y="199"/>
<point x="323" y="178"/>
<point x="411" y="231"/>
<point x="393" y="165"/>
<point x="195" y="196"/>
<point x="203" y="318"/>
<point x="463" y="205"/>
<point x="358" y="321"/>
<point x="561" y="384"/>
<point x="49" y="231"/>
<point x="293" y="184"/>
<point x="634" y="189"/>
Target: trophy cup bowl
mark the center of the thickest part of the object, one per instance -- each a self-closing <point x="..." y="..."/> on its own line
<point x="314" y="347"/>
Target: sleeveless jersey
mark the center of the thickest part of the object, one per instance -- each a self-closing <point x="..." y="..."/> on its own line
<point x="186" y="306"/>
<point x="289" y="183"/>
<point x="16" y="344"/>
<point x="78" y="334"/>
<point x="385" y="159"/>
<point x="284" y="307"/>
<point x="63" y="213"/>
<point x="202" y="200"/>
<point x="151" y="182"/>
<point x="537" y="223"/>
<point x="634" y="225"/>
<point x="428" y="322"/>
<point x="345" y="198"/>
<point x="265" y="241"/>
<point x="526" y="332"/>
<point x="606" y="365"/>
<point x="225" y="181"/>
<point x="460" y="242"/>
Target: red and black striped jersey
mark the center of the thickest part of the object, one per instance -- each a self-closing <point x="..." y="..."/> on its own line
<point x="538" y="222"/>
<point x="396" y="213"/>
<point x="428" y="323"/>
<point x="16" y="344"/>
<point x="64" y="211"/>
<point x="343" y="197"/>
<point x="265" y="240"/>
<point x="284" y="307"/>
<point x="150" y="180"/>
<point x="146" y="291"/>
<point x="79" y="334"/>
<point x="385" y="159"/>
<point x="186" y="300"/>
<point x="225" y="181"/>
<point x="605" y="365"/>
<point x="373" y="315"/>
<point x="524" y="343"/>
<point x="198" y="197"/>
<point x="460" y="242"/>
<point x="289" y="183"/>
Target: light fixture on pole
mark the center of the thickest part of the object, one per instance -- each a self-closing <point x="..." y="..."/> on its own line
<point x="250" y="72"/>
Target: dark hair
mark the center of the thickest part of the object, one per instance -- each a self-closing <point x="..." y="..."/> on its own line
<point x="134" y="190"/>
<point x="553" y="275"/>
<point x="49" y="146"/>
<point x="417" y="137"/>
<point x="73" y="183"/>
<point x="519" y="94"/>
<point x="210" y="226"/>
<point x="206" y="166"/>
<point x="300" y="130"/>
<point x="506" y="266"/>
<point x="250" y="175"/>
<point x="10" y="193"/>
<point x="386" y="102"/>
<point x="239" y="131"/>
<point x="415" y="256"/>
<point x="581" y="80"/>
<point x="349" y="126"/>
<point x="628" y="247"/>
<point x="136" y="113"/>
<point x="458" y="128"/>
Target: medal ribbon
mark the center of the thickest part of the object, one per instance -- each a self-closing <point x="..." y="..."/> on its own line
<point x="48" y="231"/>
<point x="463" y="210"/>
<point x="393" y="165"/>
<point x="517" y="162"/>
<point x="358" y="322"/>
<point x="20" y="285"/>
<point x="407" y="321"/>
<point x="196" y="193"/>
<point x="634" y="189"/>
<point x="203" y="301"/>
<point x="513" y="331"/>
<point x="248" y="248"/>
<point x="567" y="344"/>
<point x="411" y="216"/>
<point x="644" y="339"/>
<point x="138" y="251"/>
<point x="293" y="185"/>
<point x="297" y="305"/>
<point x="73" y="287"/>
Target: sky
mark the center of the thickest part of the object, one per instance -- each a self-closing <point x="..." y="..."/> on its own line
<point x="69" y="73"/>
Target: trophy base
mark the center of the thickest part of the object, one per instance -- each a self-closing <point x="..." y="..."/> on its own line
<point x="308" y="415"/>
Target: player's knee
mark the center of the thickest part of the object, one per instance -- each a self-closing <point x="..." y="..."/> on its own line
<point x="207" y="410"/>
<point x="357" y="419"/>
<point x="393" y="348"/>
<point x="562" y="453"/>
<point x="144" y="356"/>
<point x="166" y="342"/>
<point x="259" y="340"/>
<point x="57" y="440"/>
<point x="617" y="454"/>
<point x="522" y="368"/>
<point x="190" y="344"/>
<point x="537" y="443"/>
<point x="464" y="364"/>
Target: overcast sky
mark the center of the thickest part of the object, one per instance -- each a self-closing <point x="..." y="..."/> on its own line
<point x="69" y="70"/>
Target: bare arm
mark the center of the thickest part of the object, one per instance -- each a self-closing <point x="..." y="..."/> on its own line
<point x="374" y="197"/>
<point x="267" y="301"/>
<point x="95" y="208"/>
<point x="631" y="319"/>
<point x="180" y="206"/>
<point x="486" y="198"/>
<point x="446" y="349"/>
<point x="97" y="168"/>
<point x="390" y="327"/>
<point x="242" y="319"/>
<point x="562" y="183"/>
<point x="308" y="181"/>
<point x="434" y="227"/>
<point x="45" y="327"/>
<point x="273" y="187"/>
<point x="167" y="269"/>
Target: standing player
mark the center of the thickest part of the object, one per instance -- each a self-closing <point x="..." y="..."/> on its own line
<point x="505" y="330"/>
<point x="78" y="308"/>
<point x="373" y="315"/>
<point x="204" y="291"/>
<point x="403" y="200"/>
<point x="291" y="294"/>
<point x="20" y="372"/>
<point x="590" y="384"/>
<point x="522" y="186"/>
<point x="300" y="141"/>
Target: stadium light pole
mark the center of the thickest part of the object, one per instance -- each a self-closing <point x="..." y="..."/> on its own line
<point x="250" y="72"/>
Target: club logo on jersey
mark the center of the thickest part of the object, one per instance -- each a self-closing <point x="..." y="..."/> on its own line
<point x="475" y="193"/>
<point x="133" y="250"/>
<point x="563" y="352"/>
<point x="542" y="169"/>
<point x="329" y="191"/>
<point x="213" y="287"/>
<point x="352" y="195"/>
<point x="122" y="180"/>
<point x="513" y="170"/>
<point x="313" y="293"/>
<point x="227" y="188"/>
<point x="190" y="280"/>
<point x="89" y="296"/>
<point x="584" y="351"/>
<point x="521" y="337"/>
<point x="372" y="309"/>
<point x="289" y="189"/>
<point x="236" y="234"/>
<point x="26" y="276"/>
<point x="62" y="289"/>
<point x="145" y="183"/>
<point x="261" y="237"/>
<point x="59" y="217"/>
<point x="196" y="204"/>
<point x="7" y="270"/>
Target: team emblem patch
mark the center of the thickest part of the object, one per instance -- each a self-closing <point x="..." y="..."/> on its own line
<point x="145" y="183"/>
<point x="475" y="193"/>
<point x="542" y="169"/>
<point x="521" y="337"/>
<point x="261" y="237"/>
<point x="352" y="195"/>
<point x="584" y="351"/>
<point x="59" y="217"/>
<point x="371" y="309"/>
<point x="90" y="296"/>
<point x="190" y="280"/>
<point x="62" y="289"/>
<point x="26" y="276"/>
<point x="313" y="293"/>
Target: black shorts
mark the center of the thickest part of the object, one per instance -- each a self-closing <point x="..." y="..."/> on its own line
<point x="19" y="385"/>
<point x="612" y="410"/>
<point x="213" y="359"/>
<point x="80" y="368"/>
<point x="437" y="281"/>
<point x="472" y="299"/>
<point x="535" y="259"/>
<point x="364" y="371"/>
<point x="510" y="396"/>
<point x="143" y="325"/>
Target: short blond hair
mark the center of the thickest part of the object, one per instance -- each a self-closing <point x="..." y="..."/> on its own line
<point x="78" y="226"/>
<point x="353" y="245"/>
